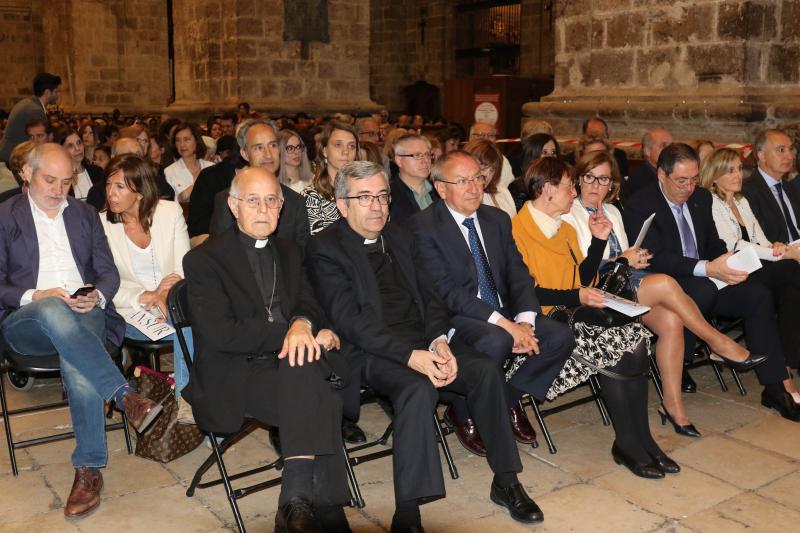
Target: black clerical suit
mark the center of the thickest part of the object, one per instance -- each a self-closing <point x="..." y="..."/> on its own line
<point x="443" y="252"/>
<point x="383" y="308"/>
<point x="293" y="224"/>
<point x="747" y="300"/>
<point x="236" y="371"/>
<point x="209" y="182"/>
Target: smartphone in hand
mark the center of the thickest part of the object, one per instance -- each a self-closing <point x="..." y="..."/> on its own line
<point x="83" y="291"/>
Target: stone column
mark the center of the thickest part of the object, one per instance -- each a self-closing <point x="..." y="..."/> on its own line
<point x="228" y="51"/>
<point x="702" y="68"/>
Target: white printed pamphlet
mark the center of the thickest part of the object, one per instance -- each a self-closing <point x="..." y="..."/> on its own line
<point x="152" y="326"/>
<point x="623" y="305"/>
<point x="643" y="231"/>
<point x="745" y="260"/>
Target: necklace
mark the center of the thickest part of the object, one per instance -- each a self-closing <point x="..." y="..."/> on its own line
<point x="272" y="296"/>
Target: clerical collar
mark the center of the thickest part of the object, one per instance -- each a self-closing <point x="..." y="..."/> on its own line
<point x="250" y="242"/>
<point x="370" y="241"/>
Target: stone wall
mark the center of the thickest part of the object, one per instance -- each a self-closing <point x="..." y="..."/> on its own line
<point x="20" y="47"/>
<point x="702" y="68"/>
<point x="537" y="55"/>
<point x="227" y="51"/>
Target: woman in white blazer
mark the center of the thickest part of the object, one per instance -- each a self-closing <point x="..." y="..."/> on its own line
<point x="598" y="181"/>
<point x="190" y="150"/>
<point x="721" y="173"/>
<point x="148" y="239"/>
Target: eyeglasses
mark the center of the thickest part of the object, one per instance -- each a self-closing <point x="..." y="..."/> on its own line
<point x="366" y="200"/>
<point x="291" y="149"/>
<point x="373" y="134"/>
<point x="685" y="182"/>
<point x="477" y="179"/>
<point x="483" y="135"/>
<point x="419" y="156"/>
<point x="254" y="202"/>
<point x="591" y="178"/>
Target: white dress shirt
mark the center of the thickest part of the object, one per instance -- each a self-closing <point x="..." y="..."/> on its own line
<point x="771" y="182"/>
<point x="525" y="316"/>
<point x="57" y="267"/>
<point x="82" y="185"/>
<point x="180" y="177"/>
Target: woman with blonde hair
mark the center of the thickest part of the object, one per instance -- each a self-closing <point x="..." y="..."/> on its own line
<point x="295" y="170"/>
<point x="592" y="143"/>
<point x="721" y="173"/>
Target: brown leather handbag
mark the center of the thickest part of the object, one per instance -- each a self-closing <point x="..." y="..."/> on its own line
<point x="166" y="439"/>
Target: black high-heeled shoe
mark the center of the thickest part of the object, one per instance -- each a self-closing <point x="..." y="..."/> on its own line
<point x="741" y="366"/>
<point x="687" y="431"/>
<point x="650" y="470"/>
<point x="665" y="463"/>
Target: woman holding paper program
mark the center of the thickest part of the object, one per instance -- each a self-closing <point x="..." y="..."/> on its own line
<point x="551" y="252"/>
<point x="721" y="173"/>
<point x="148" y="239"/>
<point x="598" y="180"/>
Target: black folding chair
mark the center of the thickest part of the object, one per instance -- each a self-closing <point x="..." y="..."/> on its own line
<point x="442" y="429"/>
<point x="151" y="350"/>
<point x="594" y="396"/>
<point x="11" y="360"/>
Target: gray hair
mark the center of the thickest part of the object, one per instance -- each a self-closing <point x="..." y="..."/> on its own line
<point x="356" y="170"/>
<point x="762" y="136"/>
<point x="245" y="125"/>
<point x="39" y="153"/>
<point x="236" y="181"/>
<point x="437" y="170"/>
<point x="360" y="123"/>
<point x="408" y="137"/>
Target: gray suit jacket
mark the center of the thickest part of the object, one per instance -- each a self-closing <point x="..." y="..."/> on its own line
<point x="23" y="112"/>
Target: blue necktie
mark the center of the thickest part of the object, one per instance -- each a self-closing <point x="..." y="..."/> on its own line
<point x="687" y="238"/>
<point x="615" y="248"/>
<point x="789" y="224"/>
<point x="486" y="286"/>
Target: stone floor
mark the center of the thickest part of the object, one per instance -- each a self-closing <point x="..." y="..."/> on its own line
<point x="739" y="476"/>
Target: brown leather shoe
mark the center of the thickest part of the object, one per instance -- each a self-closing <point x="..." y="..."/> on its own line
<point x="466" y="432"/>
<point x="140" y="411"/>
<point x="84" y="497"/>
<point x="523" y="431"/>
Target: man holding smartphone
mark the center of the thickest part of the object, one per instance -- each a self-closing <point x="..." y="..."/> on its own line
<point x="57" y="279"/>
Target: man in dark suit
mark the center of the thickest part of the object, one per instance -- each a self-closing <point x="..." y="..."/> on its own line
<point x="598" y="127"/>
<point x="258" y="144"/>
<point x="258" y="341"/>
<point x="411" y="189"/>
<point x="51" y="246"/>
<point x="46" y="90"/>
<point x="685" y="244"/>
<point x="468" y="251"/>
<point x="394" y="332"/>
<point x="653" y="142"/>
<point x="774" y="202"/>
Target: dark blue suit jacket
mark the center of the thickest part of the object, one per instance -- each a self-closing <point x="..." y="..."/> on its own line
<point x="444" y="254"/>
<point x="19" y="256"/>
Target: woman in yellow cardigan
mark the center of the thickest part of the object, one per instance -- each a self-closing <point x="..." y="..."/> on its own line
<point x="551" y="251"/>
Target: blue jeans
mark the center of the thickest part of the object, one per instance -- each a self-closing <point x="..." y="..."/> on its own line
<point x="89" y="375"/>
<point x="178" y="364"/>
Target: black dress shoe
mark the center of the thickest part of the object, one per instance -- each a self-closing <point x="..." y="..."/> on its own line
<point x="665" y="463"/>
<point x="650" y="470"/>
<point x="395" y="528"/>
<point x="518" y="503"/>
<point x="296" y="516"/>
<point x="521" y="426"/>
<point x="687" y="431"/>
<point x="783" y="403"/>
<point x="741" y="366"/>
<point x="688" y="384"/>
<point x="466" y="432"/>
<point x="351" y="433"/>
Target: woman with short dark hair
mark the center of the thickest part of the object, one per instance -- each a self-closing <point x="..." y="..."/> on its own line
<point x="189" y="148"/>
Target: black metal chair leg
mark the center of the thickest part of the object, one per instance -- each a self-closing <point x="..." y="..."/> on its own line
<point x="535" y="443"/>
<point x="127" y="432"/>
<point x="357" y="499"/>
<point x="445" y="447"/>
<point x="655" y="376"/>
<point x="540" y="419"/>
<point x="722" y="384"/>
<point x="7" y="427"/>
<point x="738" y="381"/>
<point x="594" y="384"/>
<point x="225" y="481"/>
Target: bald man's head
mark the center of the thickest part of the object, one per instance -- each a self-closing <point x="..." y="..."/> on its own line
<point x="127" y="145"/>
<point x="255" y="199"/>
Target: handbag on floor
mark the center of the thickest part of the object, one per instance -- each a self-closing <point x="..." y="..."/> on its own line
<point x="166" y="439"/>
